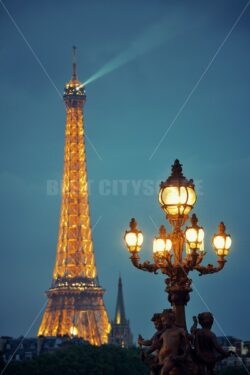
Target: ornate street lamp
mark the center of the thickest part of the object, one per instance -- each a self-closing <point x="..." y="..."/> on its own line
<point x="222" y="241"/>
<point x="162" y="244"/>
<point x="177" y="197"/>
<point x="133" y="238"/>
<point x="194" y="236"/>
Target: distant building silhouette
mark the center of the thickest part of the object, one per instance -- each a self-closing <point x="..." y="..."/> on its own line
<point x="120" y="334"/>
<point x="239" y="347"/>
<point x="19" y="349"/>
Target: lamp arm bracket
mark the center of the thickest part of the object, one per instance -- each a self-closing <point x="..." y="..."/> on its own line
<point x="169" y="261"/>
<point x="191" y="260"/>
<point x="166" y="270"/>
<point x="209" y="269"/>
<point x="201" y="256"/>
<point x="145" y="266"/>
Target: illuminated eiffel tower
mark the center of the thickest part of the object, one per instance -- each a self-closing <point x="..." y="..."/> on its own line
<point x="75" y="300"/>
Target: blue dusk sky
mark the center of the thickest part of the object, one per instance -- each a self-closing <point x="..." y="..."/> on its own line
<point x="167" y="80"/>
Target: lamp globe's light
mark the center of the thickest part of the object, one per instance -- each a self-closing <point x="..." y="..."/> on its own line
<point x="168" y="245"/>
<point x="191" y="235"/>
<point x="177" y="194"/>
<point x="195" y="235"/>
<point x="133" y="237"/>
<point x="162" y="245"/>
<point x="222" y="241"/>
<point x="158" y="245"/>
<point x="228" y="242"/>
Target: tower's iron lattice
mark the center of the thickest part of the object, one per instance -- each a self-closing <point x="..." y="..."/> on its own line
<point x="75" y="300"/>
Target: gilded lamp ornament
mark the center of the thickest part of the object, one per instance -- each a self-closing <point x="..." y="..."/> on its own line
<point x="177" y="198"/>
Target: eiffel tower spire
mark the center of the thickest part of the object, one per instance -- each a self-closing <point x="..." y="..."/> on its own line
<point x="75" y="300"/>
<point x="74" y="75"/>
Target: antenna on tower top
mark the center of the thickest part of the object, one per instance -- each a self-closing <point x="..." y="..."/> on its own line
<point x="74" y="77"/>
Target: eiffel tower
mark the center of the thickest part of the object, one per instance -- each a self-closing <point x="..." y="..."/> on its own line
<point x="75" y="304"/>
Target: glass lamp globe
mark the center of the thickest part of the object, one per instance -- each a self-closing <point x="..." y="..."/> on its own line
<point x="177" y="195"/>
<point x="162" y="245"/>
<point x="195" y="235"/>
<point x="222" y="241"/>
<point x="133" y="237"/>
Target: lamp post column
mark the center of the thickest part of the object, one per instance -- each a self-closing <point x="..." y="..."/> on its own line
<point x="178" y="289"/>
<point x="179" y="297"/>
<point x="178" y="284"/>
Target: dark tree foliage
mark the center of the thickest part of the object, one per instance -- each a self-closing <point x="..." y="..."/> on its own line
<point x="82" y="360"/>
<point x="233" y="371"/>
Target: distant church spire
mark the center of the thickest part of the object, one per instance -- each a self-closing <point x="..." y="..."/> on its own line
<point x="120" y="334"/>
<point x="120" y="316"/>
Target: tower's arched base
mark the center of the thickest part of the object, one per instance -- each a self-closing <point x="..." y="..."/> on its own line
<point x="75" y="310"/>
